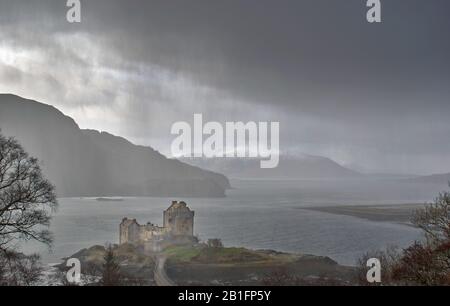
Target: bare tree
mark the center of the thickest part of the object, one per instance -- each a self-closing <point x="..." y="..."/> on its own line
<point x="422" y="264"/>
<point x="428" y="263"/>
<point x="434" y="220"/>
<point x="19" y="270"/>
<point x="388" y="259"/>
<point x="425" y="263"/>
<point x="27" y="199"/>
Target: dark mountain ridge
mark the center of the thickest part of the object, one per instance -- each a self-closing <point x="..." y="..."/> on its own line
<point x="91" y="163"/>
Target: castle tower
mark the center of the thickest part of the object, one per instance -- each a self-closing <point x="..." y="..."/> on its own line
<point x="129" y="231"/>
<point x="179" y="220"/>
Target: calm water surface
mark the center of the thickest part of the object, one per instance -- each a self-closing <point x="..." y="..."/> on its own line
<point x="256" y="214"/>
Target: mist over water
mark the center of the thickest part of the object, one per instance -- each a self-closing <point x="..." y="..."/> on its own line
<point x="255" y="214"/>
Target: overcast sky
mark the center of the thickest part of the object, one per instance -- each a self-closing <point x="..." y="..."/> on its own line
<point x="372" y="96"/>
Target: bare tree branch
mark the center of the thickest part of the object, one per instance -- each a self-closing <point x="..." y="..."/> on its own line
<point x="27" y="199"/>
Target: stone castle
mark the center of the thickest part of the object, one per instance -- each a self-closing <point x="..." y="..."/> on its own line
<point x="178" y="226"/>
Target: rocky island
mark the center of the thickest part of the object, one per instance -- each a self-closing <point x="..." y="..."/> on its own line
<point x="171" y="255"/>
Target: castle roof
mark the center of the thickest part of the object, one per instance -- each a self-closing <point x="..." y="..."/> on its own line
<point x="127" y="222"/>
<point x="178" y="206"/>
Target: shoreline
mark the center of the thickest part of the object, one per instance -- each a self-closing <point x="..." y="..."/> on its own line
<point x="395" y="213"/>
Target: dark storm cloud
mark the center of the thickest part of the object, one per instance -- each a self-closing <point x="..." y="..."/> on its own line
<point x="342" y="87"/>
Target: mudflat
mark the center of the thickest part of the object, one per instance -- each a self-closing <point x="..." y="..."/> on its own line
<point x="399" y="213"/>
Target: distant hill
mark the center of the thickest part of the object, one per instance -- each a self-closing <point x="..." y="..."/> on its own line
<point x="90" y="163"/>
<point x="290" y="167"/>
<point x="433" y="179"/>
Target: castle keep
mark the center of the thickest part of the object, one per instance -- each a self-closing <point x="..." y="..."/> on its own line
<point x="178" y="226"/>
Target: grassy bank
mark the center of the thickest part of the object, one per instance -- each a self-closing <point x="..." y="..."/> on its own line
<point x="203" y="265"/>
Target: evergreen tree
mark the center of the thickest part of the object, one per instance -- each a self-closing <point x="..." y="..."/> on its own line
<point x="111" y="275"/>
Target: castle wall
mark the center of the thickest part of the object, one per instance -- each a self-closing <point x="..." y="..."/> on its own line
<point x="129" y="232"/>
<point x="151" y="232"/>
<point x="178" y="222"/>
